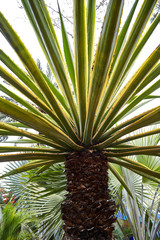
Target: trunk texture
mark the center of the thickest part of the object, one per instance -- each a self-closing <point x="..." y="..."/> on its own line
<point x="88" y="211"/>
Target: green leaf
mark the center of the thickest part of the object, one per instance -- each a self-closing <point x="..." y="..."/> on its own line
<point x="127" y="215"/>
<point x="68" y="52"/>
<point x="124" y="124"/>
<point x="17" y="84"/>
<point x="129" y="89"/>
<point x="142" y="42"/>
<point x="141" y="170"/>
<point x="123" y="32"/>
<point x="91" y="19"/>
<point x="136" y="136"/>
<point x="26" y="149"/>
<point x="104" y="55"/>
<point x="81" y="59"/>
<point x="26" y="79"/>
<point x="138" y="49"/>
<point x="36" y="122"/>
<point x="30" y="156"/>
<point x="46" y="30"/>
<point x="30" y="166"/>
<point x="50" y="24"/>
<point x="150" y="77"/>
<point x="137" y="99"/>
<point x="20" y="100"/>
<point x="39" y="36"/>
<point x="24" y="141"/>
<point x="29" y="63"/>
<point x="128" y="48"/>
<point x="57" y="94"/>
<point x="146" y="120"/>
<point x="119" y="177"/>
<point x="14" y="131"/>
<point x="145" y="150"/>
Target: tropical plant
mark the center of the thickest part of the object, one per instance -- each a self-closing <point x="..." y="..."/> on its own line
<point x="80" y="123"/>
<point x="140" y="211"/>
<point x="40" y="194"/>
<point x="141" y="217"/>
<point x="13" y="224"/>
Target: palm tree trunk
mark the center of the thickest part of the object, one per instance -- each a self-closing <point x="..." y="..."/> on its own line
<point x="88" y="211"/>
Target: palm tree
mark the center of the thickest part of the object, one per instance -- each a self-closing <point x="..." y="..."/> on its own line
<point x="81" y="123"/>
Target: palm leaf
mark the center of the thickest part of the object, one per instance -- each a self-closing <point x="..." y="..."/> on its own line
<point x="116" y="76"/>
<point x="103" y="62"/>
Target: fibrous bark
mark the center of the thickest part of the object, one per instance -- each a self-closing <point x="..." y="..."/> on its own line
<point x="88" y="211"/>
